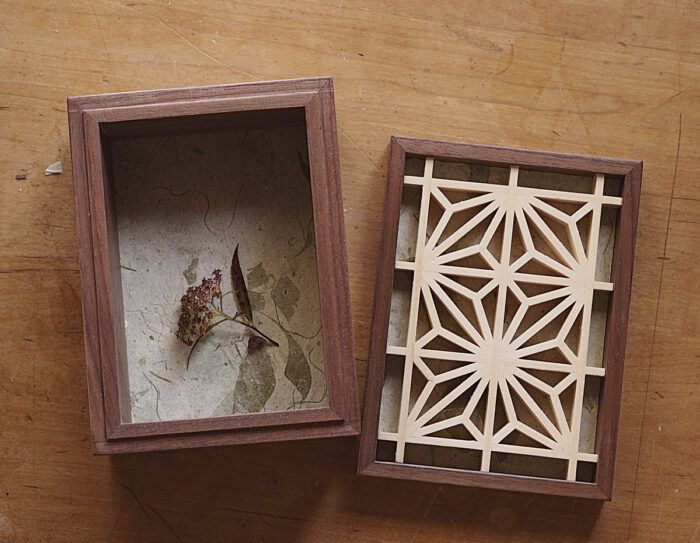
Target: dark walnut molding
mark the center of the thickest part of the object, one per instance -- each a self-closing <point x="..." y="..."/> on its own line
<point x="94" y="121"/>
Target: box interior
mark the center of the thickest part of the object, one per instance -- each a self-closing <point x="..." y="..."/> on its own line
<point x="186" y="192"/>
<point x="449" y="446"/>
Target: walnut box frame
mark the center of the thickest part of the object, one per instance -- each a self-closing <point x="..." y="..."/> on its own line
<point x="604" y="433"/>
<point x="97" y="120"/>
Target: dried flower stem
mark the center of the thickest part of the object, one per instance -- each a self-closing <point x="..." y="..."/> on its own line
<point x="237" y="319"/>
<point x="228" y="318"/>
<point x="197" y="341"/>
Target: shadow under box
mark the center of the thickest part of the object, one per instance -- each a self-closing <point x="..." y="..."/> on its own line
<point x="196" y="346"/>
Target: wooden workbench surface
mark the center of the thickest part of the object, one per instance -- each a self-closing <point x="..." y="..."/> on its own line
<point x="619" y="80"/>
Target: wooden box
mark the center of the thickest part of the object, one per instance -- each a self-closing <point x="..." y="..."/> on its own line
<point x="500" y="318"/>
<point x="168" y="185"/>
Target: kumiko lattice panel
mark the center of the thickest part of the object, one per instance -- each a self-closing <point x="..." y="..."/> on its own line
<point x="497" y="348"/>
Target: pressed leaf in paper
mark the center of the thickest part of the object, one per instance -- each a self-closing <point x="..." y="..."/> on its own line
<point x="257" y="301"/>
<point x="298" y="370"/>
<point x="240" y="291"/>
<point x="257" y="277"/>
<point x="286" y="296"/>
<point x="255" y="384"/>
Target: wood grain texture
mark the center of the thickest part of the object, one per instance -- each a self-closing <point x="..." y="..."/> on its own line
<point x="613" y="79"/>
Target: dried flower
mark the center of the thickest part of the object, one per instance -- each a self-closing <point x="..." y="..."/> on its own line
<point x="200" y="304"/>
<point x="195" y="311"/>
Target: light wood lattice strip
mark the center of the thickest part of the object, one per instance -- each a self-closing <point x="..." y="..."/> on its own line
<point x="497" y="361"/>
<point x="413" y="312"/>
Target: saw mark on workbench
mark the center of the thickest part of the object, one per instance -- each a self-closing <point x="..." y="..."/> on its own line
<point x="510" y="62"/>
<point x="164" y="521"/>
<point x="138" y="500"/>
<point x="188" y="42"/>
<point x="203" y="52"/>
<point x="357" y="147"/>
<point x="656" y="320"/>
<point x="425" y="515"/>
<point x="105" y="46"/>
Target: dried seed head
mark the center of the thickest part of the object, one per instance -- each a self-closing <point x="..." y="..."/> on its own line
<point x="195" y="311"/>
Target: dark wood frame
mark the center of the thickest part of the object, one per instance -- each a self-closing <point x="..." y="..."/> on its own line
<point x="616" y="328"/>
<point x="93" y="119"/>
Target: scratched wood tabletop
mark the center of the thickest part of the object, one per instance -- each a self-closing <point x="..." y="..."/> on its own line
<point x="615" y="79"/>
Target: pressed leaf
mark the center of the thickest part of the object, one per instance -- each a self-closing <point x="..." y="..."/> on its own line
<point x="257" y="277"/>
<point x="240" y="291"/>
<point x="286" y="296"/>
<point x="257" y="300"/>
<point x="298" y="370"/>
<point x="190" y="273"/>
<point x="255" y="383"/>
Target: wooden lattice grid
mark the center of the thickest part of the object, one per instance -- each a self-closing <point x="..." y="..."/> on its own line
<point x="495" y="357"/>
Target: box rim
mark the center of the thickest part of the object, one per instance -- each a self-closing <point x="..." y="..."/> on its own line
<point x="609" y="408"/>
<point x="342" y="415"/>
